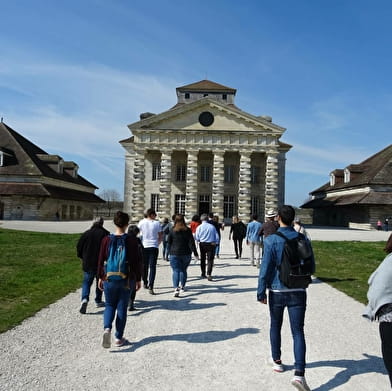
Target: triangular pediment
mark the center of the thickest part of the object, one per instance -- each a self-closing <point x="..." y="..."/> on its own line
<point x="225" y="118"/>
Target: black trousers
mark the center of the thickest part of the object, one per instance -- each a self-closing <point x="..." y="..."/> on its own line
<point x="238" y="246"/>
<point x="207" y="250"/>
<point x="386" y="346"/>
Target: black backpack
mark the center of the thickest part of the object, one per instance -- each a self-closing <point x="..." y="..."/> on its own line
<point x="296" y="267"/>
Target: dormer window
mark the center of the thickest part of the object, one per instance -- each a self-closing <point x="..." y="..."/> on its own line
<point x="224" y="96"/>
<point x="204" y="95"/>
<point x="346" y="175"/>
<point x="187" y="95"/>
<point x="332" y="179"/>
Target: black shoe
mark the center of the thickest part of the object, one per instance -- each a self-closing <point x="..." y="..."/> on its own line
<point x="151" y="291"/>
<point x="209" y="278"/>
<point x="236" y="257"/>
<point x="145" y="285"/>
<point x="83" y="307"/>
<point x="131" y="308"/>
<point x="203" y="276"/>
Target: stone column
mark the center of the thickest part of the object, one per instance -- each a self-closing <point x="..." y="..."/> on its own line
<point x="218" y="183"/>
<point x="244" y="185"/>
<point x="138" y="186"/>
<point x="271" y="181"/>
<point x="165" y="184"/>
<point x="191" y="206"/>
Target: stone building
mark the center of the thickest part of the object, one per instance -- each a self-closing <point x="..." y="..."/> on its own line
<point x="356" y="196"/>
<point x="204" y="155"/>
<point x="37" y="186"/>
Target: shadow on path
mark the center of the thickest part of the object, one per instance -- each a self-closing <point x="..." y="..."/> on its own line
<point x="201" y="337"/>
<point x="350" y="368"/>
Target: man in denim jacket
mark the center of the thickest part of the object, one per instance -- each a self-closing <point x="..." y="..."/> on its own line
<point x="279" y="297"/>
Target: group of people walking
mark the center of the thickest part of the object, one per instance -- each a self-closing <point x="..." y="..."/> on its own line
<point x="96" y="248"/>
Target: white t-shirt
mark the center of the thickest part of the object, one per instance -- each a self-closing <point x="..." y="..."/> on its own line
<point x="149" y="230"/>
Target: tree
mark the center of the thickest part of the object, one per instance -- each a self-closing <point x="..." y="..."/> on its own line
<point x="112" y="199"/>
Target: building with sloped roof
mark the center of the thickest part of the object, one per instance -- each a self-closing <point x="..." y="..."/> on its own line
<point x="35" y="185"/>
<point x="356" y="196"/>
<point x="204" y="155"/>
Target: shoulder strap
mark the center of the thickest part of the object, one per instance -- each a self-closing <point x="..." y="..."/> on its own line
<point x="281" y="235"/>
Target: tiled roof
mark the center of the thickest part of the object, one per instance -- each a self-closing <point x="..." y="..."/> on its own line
<point x="29" y="159"/>
<point x="205" y="86"/>
<point x="41" y="190"/>
<point x="375" y="170"/>
<point x="371" y="198"/>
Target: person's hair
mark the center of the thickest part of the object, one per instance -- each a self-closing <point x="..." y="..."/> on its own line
<point x="204" y="217"/>
<point x="150" y="212"/>
<point x="287" y="214"/>
<point x="235" y="219"/>
<point x="196" y="218"/>
<point x="121" y="219"/>
<point x="98" y="222"/>
<point x="165" y="220"/>
<point x="388" y="245"/>
<point x="254" y="217"/>
<point x="133" y="229"/>
<point x="216" y="218"/>
<point x="210" y="215"/>
<point x="179" y="223"/>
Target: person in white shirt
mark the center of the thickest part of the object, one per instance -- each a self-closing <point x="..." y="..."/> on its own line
<point x="151" y="233"/>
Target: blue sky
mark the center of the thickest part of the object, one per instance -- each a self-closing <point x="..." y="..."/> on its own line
<point x="75" y="73"/>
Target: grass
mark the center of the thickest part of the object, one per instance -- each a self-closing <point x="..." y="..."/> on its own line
<point x="38" y="269"/>
<point x="347" y="265"/>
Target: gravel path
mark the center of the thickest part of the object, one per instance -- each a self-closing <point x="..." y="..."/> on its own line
<point x="215" y="337"/>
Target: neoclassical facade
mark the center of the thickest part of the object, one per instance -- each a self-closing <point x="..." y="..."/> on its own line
<point x="204" y="155"/>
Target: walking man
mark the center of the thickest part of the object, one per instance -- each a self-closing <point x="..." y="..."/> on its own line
<point x="279" y="297"/>
<point x="253" y="240"/>
<point x="87" y="250"/>
<point x="151" y="233"/>
<point x="207" y="237"/>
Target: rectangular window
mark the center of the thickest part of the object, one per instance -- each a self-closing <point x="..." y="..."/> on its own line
<point x="187" y="96"/>
<point x="229" y="174"/>
<point x="154" y="204"/>
<point x="228" y="206"/>
<point x="181" y="173"/>
<point x="224" y="96"/>
<point x="205" y="173"/>
<point x="156" y="171"/>
<point x="179" y="203"/>
<point x="255" y="205"/>
<point x="255" y="175"/>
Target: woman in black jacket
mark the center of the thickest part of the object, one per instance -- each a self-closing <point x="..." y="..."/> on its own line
<point x="181" y="244"/>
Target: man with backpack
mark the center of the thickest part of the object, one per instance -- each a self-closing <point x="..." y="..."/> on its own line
<point x="288" y="256"/>
<point x="87" y="250"/>
<point x="120" y="267"/>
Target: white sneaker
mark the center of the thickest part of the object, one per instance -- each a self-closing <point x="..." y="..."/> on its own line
<point x="177" y="292"/>
<point x="107" y="339"/>
<point x="277" y="367"/>
<point x="299" y="383"/>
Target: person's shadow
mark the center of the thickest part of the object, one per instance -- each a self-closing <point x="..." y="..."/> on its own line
<point x="350" y="368"/>
<point x="200" y="337"/>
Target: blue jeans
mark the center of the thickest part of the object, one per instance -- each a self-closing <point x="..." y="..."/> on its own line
<point x="88" y="279"/>
<point x="296" y="307"/>
<point x="116" y="299"/>
<point x="179" y="264"/>
<point x="150" y="266"/>
<point x="165" y="250"/>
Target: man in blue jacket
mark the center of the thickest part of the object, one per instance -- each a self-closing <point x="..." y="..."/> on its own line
<point x="279" y="297"/>
<point x="253" y="240"/>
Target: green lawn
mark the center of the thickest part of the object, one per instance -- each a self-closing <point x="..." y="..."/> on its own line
<point x="36" y="270"/>
<point x="347" y="265"/>
<point x="39" y="268"/>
